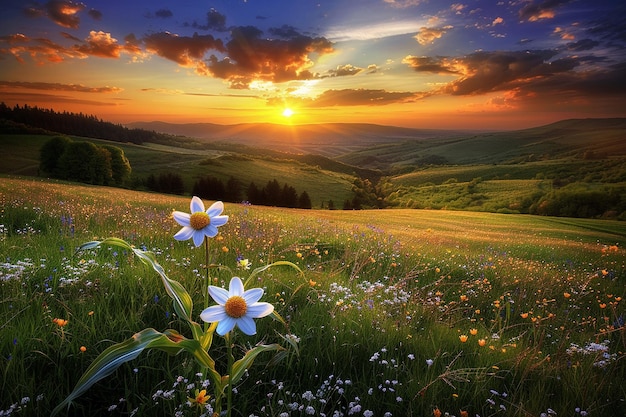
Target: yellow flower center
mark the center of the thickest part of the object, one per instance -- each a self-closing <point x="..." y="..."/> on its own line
<point x="199" y="220"/>
<point x="235" y="306"/>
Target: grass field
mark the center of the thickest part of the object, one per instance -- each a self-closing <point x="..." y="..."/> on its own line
<point x="399" y="312"/>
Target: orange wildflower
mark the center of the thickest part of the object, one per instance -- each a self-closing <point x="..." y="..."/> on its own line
<point x="437" y="412"/>
<point x="482" y="342"/>
<point x="60" y="322"/>
<point x="473" y="332"/>
<point x="463" y="338"/>
<point x="200" y="399"/>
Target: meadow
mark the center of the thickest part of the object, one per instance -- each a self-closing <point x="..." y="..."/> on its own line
<point x="397" y="313"/>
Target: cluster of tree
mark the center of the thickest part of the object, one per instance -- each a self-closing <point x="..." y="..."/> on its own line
<point x="367" y="195"/>
<point x="75" y="124"/>
<point x="63" y="158"/>
<point x="167" y="183"/>
<point x="213" y="188"/>
<point x="272" y="194"/>
<point x="582" y="200"/>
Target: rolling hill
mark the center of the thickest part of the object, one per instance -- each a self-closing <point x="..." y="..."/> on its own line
<point x="331" y="139"/>
<point x="384" y="166"/>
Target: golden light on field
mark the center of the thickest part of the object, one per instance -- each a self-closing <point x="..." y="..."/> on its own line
<point x="287" y="112"/>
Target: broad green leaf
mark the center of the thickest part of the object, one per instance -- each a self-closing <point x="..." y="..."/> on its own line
<point x="183" y="305"/>
<point x="114" y="356"/>
<point x="244" y="363"/>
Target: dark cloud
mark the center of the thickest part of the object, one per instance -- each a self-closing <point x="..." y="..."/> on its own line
<point x="62" y="12"/>
<point x="582" y="45"/>
<point x="70" y="37"/>
<point x="611" y="28"/>
<point x="184" y="50"/>
<point x="344" y="70"/>
<point x="215" y="21"/>
<point x="164" y="13"/>
<point x="485" y="72"/>
<point x="430" y="64"/>
<point x="525" y="78"/>
<point x="251" y="56"/>
<point x="95" y="14"/>
<point x="537" y="10"/>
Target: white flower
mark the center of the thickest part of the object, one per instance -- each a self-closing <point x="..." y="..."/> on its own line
<point x="236" y="307"/>
<point x="199" y="223"/>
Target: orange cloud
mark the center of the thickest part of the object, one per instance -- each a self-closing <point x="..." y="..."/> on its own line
<point x="351" y="97"/>
<point x="428" y="35"/>
<point x="58" y="87"/>
<point x="41" y="50"/>
<point x="534" y="11"/>
<point x="100" y="44"/>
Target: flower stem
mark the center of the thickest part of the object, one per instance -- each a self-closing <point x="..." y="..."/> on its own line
<point x="205" y="290"/>
<point x="229" y="398"/>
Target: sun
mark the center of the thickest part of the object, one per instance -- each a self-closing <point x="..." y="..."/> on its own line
<point x="287" y="112"/>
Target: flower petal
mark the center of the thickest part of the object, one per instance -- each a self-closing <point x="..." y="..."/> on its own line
<point x="184" y="233"/>
<point x="220" y="295"/>
<point x="210" y="230"/>
<point x="198" y="238"/>
<point x="235" y="287"/>
<point x="226" y="325"/>
<point x="247" y="325"/>
<point x="258" y="310"/>
<point x="181" y="218"/>
<point x="213" y="314"/>
<point x="216" y="209"/>
<point x="219" y="220"/>
<point x="252" y="295"/>
<point x="196" y="205"/>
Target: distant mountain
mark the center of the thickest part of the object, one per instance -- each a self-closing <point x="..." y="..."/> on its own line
<point x="329" y="139"/>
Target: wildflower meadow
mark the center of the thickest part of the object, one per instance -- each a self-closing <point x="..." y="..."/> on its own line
<point x="122" y="303"/>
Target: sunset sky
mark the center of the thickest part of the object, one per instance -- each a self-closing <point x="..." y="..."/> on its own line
<point x="465" y="64"/>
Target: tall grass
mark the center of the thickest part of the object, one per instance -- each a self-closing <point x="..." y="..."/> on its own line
<point x="401" y="312"/>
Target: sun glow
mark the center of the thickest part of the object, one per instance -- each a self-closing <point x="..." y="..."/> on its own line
<point x="287" y="112"/>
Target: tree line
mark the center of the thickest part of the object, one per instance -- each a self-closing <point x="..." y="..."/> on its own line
<point x="76" y="124"/>
<point x="213" y="188"/>
<point x="66" y="159"/>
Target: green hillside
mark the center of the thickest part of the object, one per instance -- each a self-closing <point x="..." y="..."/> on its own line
<point x="321" y="184"/>
<point x="565" y="139"/>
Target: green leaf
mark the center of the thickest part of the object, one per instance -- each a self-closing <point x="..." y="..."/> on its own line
<point x="244" y="363"/>
<point x="114" y="356"/>
<point x="183" y="305"/>
<point x="260" y="269"/>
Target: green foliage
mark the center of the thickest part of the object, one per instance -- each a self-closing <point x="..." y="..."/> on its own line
<point x="50" y="154"/>
<point x="60" y="157"/>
